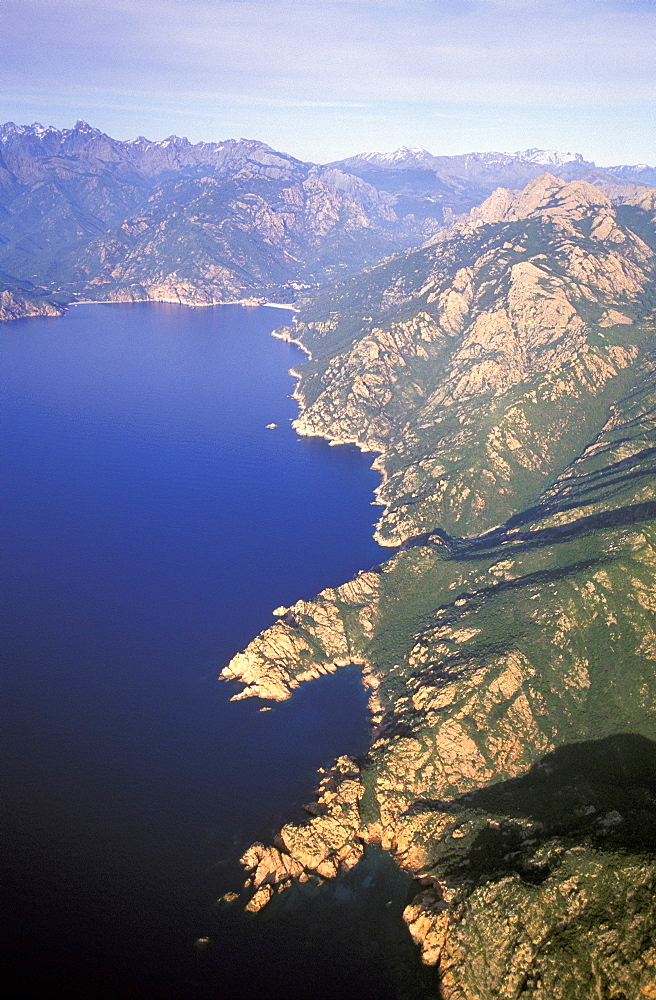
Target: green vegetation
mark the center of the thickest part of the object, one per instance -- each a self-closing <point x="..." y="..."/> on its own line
<point x="513" y="762"/>
<point x="477" y="365"/>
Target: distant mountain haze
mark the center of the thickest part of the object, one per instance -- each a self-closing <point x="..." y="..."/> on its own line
<point x="87" y="216"/>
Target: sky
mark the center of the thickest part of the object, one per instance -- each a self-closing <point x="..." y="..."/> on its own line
<point x="325" y="79"/>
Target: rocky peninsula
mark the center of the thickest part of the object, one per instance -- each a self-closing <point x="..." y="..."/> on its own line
<point x="506" y="375"/>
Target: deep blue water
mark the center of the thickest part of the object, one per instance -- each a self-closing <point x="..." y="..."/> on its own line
<point x="150" y="522"/>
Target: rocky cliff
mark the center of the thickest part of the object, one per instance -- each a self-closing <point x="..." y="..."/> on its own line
<point x="507" y="375"/>
<point x="17" y="301"/>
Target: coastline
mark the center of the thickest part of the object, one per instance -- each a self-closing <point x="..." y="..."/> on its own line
<point x="376" y="465"/>
<point x="282" y="333"/>
<point x="248" y="303"/>
<point x="25" y="311"/>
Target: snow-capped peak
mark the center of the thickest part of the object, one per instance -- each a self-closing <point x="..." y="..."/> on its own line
<point x="40" y="130"/>
<point x="82" y="126"/>
<point x="548" y="157"/>
<point x="632" y="166"/>
<point x="10" y="130"/>
<point x="398" y="157"/>
<point x="173" y="140"/>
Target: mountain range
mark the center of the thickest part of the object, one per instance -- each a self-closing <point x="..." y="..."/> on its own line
<point x="85" y="216"/>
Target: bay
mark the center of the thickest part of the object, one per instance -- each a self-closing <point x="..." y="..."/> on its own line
<point x="151" y="521"/>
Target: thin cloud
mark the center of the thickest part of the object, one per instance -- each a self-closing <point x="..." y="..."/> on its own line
<point x="326" y="56"/>
<point x="305" y="51"/>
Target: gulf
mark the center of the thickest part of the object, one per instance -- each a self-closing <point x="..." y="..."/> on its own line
<point x="151" y="522"/>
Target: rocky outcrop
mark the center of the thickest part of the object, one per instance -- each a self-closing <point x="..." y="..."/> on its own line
<point x="548" y="198"/>
<point x="309" y="639"/>
<point x="327" y="844"/>
<point x="566" y="206"/>
<point x="495" y="773"/>
<point x="16" y="305"/>
<point x="512" y="762"/>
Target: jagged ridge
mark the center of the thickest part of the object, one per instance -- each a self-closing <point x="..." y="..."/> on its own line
<point x="87" y="215"/>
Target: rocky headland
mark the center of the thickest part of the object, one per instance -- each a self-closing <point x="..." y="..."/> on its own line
<point x="506" y="375"/>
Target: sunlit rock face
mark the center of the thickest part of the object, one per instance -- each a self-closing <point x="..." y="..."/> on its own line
<point x="506" y="376"/>
<point x="478" y="364"/>
<point x="15" y="303"/>
<point x="309" y="639"/>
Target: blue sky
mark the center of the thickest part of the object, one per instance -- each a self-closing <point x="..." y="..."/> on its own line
<point x="324" y="79"/>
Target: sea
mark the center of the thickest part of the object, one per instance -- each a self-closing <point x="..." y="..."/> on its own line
<point x="151" y="521"/>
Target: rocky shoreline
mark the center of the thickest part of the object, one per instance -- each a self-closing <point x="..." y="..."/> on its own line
<point x="511" y="768"/>
<point x="15" y="306"/>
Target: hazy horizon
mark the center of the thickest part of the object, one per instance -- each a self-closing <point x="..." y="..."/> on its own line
<point x="324" y="81"/>
<point x="507" y="152"/>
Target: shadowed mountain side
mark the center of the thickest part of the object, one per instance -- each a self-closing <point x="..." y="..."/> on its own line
<point x="620" y="517"/>
<point x="493" y="542"/>
<point x="601" y="792"/>
<point x="589" y="488"/>
<point x="556" y="866"/>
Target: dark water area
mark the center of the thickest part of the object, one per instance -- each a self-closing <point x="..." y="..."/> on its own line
<point x="150" y="523"/>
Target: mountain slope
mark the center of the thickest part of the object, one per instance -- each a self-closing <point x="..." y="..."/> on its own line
<point x="493" y="359"/>
<point x="88" y="215"/>
<point x="252" y="232"/>
<point x="512" y="766"/>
